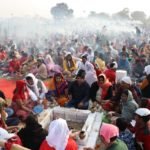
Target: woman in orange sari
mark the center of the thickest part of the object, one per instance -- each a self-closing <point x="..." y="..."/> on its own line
<point x="21" y="101"/>
<point x="58" y="88"/>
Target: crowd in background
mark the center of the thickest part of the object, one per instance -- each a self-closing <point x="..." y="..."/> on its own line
<point x="80" y="71"/>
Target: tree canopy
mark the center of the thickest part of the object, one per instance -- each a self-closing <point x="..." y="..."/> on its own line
<point x="61" y="11"/>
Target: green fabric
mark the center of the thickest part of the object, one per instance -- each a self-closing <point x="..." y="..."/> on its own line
<point x="118" y="145"/>
<point x="105" y="119"/>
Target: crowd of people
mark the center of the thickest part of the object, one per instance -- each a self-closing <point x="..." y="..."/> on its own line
<point x="78" y="71"/>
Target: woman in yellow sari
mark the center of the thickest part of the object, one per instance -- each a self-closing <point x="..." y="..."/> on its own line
<point x="58" y="88"/>
<point x="69" y="64"/>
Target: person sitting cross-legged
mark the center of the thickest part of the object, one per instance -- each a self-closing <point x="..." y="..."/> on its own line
<point x="79" y="92"/>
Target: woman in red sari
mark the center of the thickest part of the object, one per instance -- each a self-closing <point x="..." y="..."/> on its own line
<point x="101" y="90"/>
<point x="58" y="137"/>
<point x="21" y="101"/>
<point x="14" y="65"/>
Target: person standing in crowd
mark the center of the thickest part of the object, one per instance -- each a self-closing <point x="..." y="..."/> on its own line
<point x="58" y="137"/>
<point x="79" y="92"/>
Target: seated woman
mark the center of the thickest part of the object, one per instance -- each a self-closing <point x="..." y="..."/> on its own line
<point x="69" y="64"/>
<point x="32" y="135"/>
<point x="5" y="122"/>
<point x="29" y="65"/>
<point x="36" y="88"/>
<point x="109" y="136"/>
<point x="58" y="88"/>
<point x="10" y="141"/>
<point x="52" y="68"/>
<point x="58" y="137"/>
<point x="21" y="102"/>
<point x="41" y="70"/>
<point x="101" y="89"/>
<point x="14" y="66"/>
<point x="128" y="105"/>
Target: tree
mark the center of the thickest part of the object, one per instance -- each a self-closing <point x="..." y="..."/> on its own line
<point x="101" y="15"/>
<point x="104" y="15"/>
<point x="123" y="14"/>
<point x="138" y="15"/>
<point x="61" y="11"/>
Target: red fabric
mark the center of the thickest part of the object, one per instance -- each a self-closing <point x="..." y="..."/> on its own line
<point x="105" y="86"/>
<point x="14" y="66"/>
<point x="111" y="75"/>
<point x="21" y="91"/>
<point x="143" y="137"/>
<point x="70" y="146"/>
<point x="3" y="55"/>
<point x="10" y="142"/>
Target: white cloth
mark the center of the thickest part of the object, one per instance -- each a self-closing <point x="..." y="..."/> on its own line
<point x="147" y="70"/>
<point x="90" y="76"/>
<point x="86" y="67"/>
<point x="127" y="80"/>
<point x="4" y="135"/>
<point x="58" y="134"/>
<point x="34" y="91"/>
<point x="142" y="112"/>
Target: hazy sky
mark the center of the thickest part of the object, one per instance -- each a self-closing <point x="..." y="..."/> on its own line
<point x="80" y="7"/>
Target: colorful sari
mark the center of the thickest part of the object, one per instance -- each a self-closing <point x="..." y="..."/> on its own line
<point x="21" y="94"/>
<point x="57" y="89"/>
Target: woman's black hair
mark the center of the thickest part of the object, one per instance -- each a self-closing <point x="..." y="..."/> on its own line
<point x="2" y="95"/>
<point x="121" y="123"/>
<point x="113" y="139"/>
<point x="81" y="73"/>
<point x="146" y="118"/>
<point x="29" y="78"/>
<point x="126" y="92"/>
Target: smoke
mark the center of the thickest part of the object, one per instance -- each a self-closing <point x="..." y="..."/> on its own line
<point x="38" y="28"/>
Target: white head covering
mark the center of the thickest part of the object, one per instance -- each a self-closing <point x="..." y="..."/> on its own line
<point x="147" y="70"/>
<point x="34" y="86"/>
<point x="115" y="65"/>
<point x="142" y="112"/>
<point x="4" y="135"/>
<point x="58" y="134"/>
<point x="67" y="53"/>
<point x="127" y="80"/>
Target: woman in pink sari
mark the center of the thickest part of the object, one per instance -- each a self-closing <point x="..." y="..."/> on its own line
<point x="52" y="68"/>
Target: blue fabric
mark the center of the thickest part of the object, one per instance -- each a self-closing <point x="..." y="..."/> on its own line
<point x="74" y="103"/>
<point x="127" y="137"/>
<point x="38" y="109"/>
<point x="9" y="111"/>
